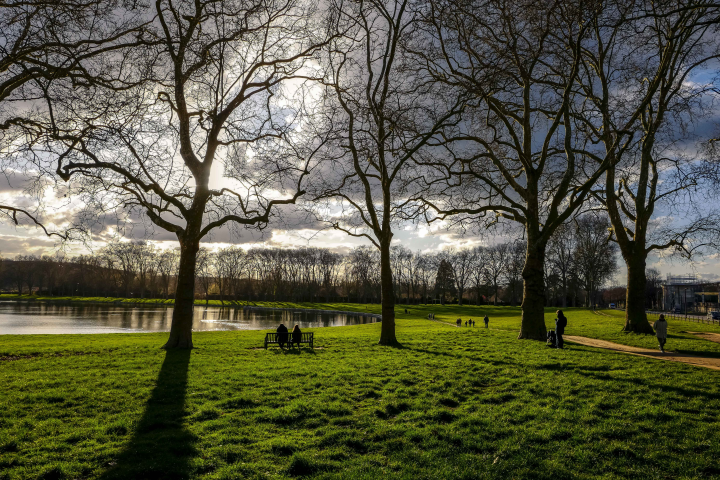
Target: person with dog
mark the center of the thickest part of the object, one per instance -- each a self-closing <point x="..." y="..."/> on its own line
<point x="560" y="324"/>
<point x="661" y="331"/>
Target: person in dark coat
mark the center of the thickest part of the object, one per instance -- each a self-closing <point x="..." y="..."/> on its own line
<point x="296" y="335"/>
<point x="560" y="324"/>
<point x="487" y="320"/>
<point x="282" y="333"/>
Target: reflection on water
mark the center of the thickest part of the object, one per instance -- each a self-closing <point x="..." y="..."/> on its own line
<point x="45" y="318"/>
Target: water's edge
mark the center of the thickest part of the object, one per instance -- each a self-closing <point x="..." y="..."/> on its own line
<point x="200" y="305"/>
<point x="314" y="310"/>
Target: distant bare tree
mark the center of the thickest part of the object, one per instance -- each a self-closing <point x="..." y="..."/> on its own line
<point x="425" y="268"/>
<point x="561" y="248"/>
<point x="232" y="263"/>
<point x="594" y="255"/>
<point x="462" y="263"/>
<point x="516" y="262"/>
<point x="478" y="276"/>
<point x="167" y="268"/>
<point x="496" y="266"/>
<point x="653" y="288"/>
<point x="120" y="256"/>
<point x="205" y="271"/>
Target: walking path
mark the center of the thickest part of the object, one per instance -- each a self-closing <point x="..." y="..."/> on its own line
<point x="707" y="362"/>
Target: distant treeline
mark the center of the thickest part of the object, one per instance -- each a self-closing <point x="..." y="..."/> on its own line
<point x="579" y="263"/>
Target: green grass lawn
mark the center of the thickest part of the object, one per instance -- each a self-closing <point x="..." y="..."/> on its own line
<point x="452" y="403"/>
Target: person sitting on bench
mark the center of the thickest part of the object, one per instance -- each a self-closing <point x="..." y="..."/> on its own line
<point x="296" y="335"/>
<point x="282" y="335"/>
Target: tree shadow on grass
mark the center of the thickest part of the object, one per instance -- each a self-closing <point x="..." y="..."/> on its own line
<point x="161" y="447"/>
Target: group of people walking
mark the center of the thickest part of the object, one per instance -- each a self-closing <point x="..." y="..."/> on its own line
<point x="471" y="322"/>
<point x="285" y="338"/>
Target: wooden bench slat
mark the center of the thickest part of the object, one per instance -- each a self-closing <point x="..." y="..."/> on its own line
<point x="272" y="338"/>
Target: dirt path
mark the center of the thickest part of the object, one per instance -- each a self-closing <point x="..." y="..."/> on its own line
<point x="713" y="337"/>
<point x="707" y="362"/>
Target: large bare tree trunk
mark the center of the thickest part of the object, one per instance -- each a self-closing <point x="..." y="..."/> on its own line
<point x="533" y="305"/>
<point x="635" y="318"/>
<point x="387" y="332"/>
<point x="182" y="321"/>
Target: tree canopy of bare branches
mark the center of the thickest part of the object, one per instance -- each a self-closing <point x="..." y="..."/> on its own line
<point x="222" y="94"/>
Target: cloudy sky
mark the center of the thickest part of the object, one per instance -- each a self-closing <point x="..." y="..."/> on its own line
<point x="296" y="232"/>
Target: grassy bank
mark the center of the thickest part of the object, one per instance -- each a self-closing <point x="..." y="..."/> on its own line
<point x="453" y="403"/>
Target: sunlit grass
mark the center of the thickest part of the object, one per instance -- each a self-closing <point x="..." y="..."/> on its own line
<point x="452" y="403"/>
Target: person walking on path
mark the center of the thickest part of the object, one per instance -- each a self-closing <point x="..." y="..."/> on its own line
<point x="560" y="324"/>
<point x="282" y="335"/>
<point x="296" y="335"/>
<point x="487" y="320"/>
<point x="661" y="331"/>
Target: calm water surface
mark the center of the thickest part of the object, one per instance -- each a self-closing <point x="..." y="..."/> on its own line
<point x="44" y="318"/>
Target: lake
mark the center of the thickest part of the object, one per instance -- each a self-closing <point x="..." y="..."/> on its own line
<point x="22" y="318"/>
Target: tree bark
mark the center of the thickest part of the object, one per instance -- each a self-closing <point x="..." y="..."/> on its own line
<point x="182" y="321"/>
<point x="533" y="304"/>
<point x="635" y="318"/>
<point x="387" y="331"/>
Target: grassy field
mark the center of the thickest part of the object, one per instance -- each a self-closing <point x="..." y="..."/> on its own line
<point x="452" y="403"/>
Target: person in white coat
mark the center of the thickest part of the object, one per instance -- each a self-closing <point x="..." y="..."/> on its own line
<point x="661" y="331"/>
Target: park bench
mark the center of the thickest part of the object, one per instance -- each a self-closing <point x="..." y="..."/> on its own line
<point x="272" y="338"/>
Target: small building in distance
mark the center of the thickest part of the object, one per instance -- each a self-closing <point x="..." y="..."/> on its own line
<point x="689" y="294"/>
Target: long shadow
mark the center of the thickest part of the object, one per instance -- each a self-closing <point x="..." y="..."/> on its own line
<point x="688" y="392"/>
<point x="458" y="357"/>
<point x="161" y="447"/>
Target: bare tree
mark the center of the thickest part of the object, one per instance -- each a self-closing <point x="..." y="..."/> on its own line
<point x="516" y="262"/>
<point x="496" y="266"/>
<point x="167" y="267"/>
<point x="46" y="43"/>
<point x="653" y="288"/>
<point x="205" y="271"/>
<point x="515" y="157"/>
<point x="425" y="268"/>
<point x="385" y="115"/>
<point x="561" y="248"/>
<point x="594" y="255"/>
<point x="478" y="272"/>
<point x="232" y="263"/>
<point x="120" y="256"/>
<point x="462" y="264"/>
<point x="211" y="96"/>
<point x="643" y="70"/>
<point x="146" y="264"/>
